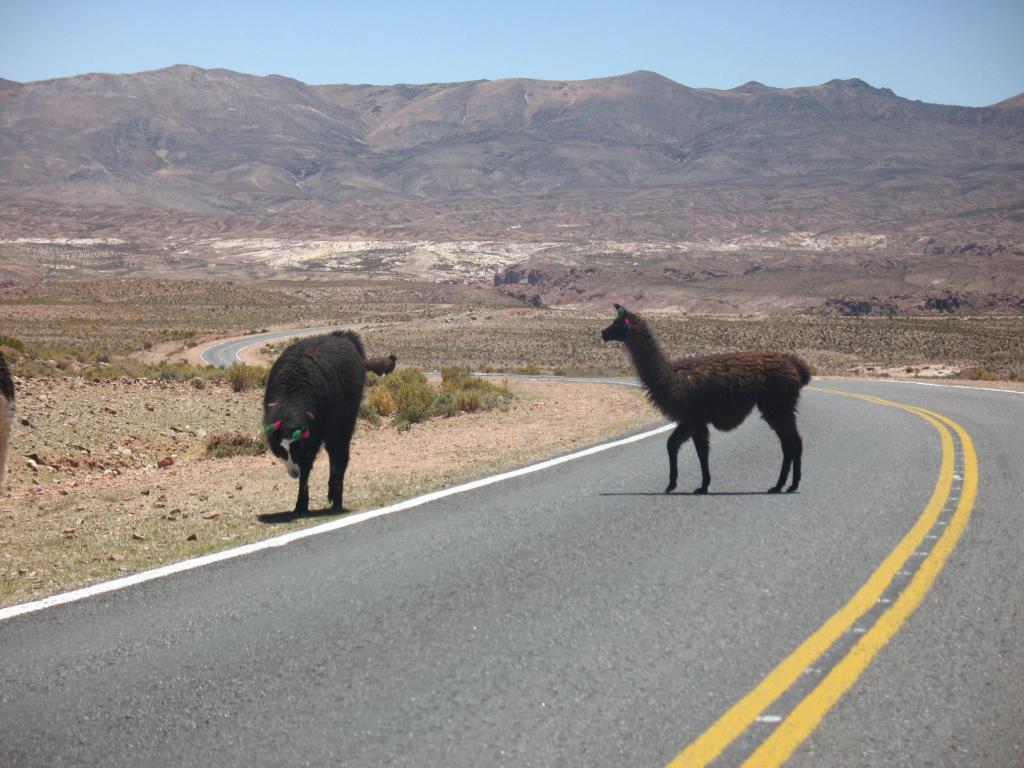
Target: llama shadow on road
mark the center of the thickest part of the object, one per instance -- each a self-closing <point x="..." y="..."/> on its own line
<point x="696" y="495"/>
<point x="276" y="518"/>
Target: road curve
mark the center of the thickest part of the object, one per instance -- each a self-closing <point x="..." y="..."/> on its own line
<point x="577" y="616"/>
<point x="224" y="354"/>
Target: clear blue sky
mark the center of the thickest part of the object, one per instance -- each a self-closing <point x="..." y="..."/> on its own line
<point x="947" y="51"/>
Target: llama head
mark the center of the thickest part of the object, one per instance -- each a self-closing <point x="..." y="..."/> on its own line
<point x="292" y="444"/>
<point x="620" y="327"/>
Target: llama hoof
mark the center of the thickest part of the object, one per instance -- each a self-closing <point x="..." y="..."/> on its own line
<point x="700" y="491"/>
<point x="774" y="489"/>
<point x="791" y="489"/>
<point x="301" y="509"/>
<point x="671" y="487"/>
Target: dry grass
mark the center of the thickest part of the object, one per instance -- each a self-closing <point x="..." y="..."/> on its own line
<point x="546" y="341"/>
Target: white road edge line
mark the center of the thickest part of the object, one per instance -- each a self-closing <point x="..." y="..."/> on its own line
<point x="936" y="384"/>
<point x="334" y="525"/>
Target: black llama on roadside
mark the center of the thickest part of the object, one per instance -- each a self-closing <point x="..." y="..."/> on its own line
<point x="6" y="415"/>
<point x="720" y="390"/>
<point x="312" y="399"/>
<point x="381" y="365"/>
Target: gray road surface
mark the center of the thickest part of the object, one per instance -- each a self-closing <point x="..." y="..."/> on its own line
<point x="571" y="617"/>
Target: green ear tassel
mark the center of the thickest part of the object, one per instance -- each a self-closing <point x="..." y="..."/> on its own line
<point x="297" y="434"/>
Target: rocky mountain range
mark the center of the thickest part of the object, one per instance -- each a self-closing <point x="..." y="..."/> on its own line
<point x="188" y="152"/>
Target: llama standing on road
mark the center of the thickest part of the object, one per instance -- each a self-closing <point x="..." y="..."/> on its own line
<point x="381" y="365"/>
<point x="312" y="399"/>
<point x="720" y="390"/>
<point x="6" y="415"/>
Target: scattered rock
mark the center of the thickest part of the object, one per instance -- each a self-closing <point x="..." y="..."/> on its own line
<point x="192" y="537"/>
<point x="138" y="536"/>
<point x="111" y="411"/>
<point x="165" y="462"/>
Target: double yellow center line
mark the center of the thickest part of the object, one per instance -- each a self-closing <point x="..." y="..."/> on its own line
<point x="806" y="715"/>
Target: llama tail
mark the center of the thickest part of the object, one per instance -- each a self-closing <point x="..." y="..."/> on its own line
<point x="803" y="370"/>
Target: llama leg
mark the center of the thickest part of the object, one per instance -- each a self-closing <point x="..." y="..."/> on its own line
<point x="797" y="452"/>
<point x="676" y="439"/>
<point x="302" y="503"/>
<point x="702" y="444"/>
<point x="338" y="454"/>
<point x="785" y="427"/>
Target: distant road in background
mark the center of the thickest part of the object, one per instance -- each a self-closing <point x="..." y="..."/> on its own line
<point x="226" y="353"/>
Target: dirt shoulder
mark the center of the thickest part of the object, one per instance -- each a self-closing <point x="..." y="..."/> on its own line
<point x="86" y="501"/>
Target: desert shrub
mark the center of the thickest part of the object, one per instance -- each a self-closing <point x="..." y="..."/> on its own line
<point x="981" y="374"/>
<point x="223" y="445"/>
<point x="243" y="377"/>
<point x="412" y="414"/>
<point x="444" y="405"/>
<point x="409" y="388"/>
<point x="371" y="379"/>
<point x="469" y="401"/>
<point x="197" y="382"/>
<point x="369" y="414"/>
<point x="471" y="394"/>
<point x="381" y="400"/>
<point x="12" y="343"/>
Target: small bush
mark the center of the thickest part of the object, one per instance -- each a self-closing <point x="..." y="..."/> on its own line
<point x="197" y="383"/>
<point x="369" y="414"/>
<point x="469" y="401"/>
<point x="444" y="405"/>
<point x="243" y="377"/>
<point x="981" y="374"/>
<point x="8" y="341"/>
<point x="381" y="400"/>
<point x="406" y="417"/>
<point x="409" y="388"/>
<point x="225" y="445"/>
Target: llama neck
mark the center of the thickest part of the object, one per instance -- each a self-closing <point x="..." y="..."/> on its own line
<point x="651" y="365"/>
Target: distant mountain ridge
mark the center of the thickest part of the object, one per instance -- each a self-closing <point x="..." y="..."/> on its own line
<point x="633" y="156"/>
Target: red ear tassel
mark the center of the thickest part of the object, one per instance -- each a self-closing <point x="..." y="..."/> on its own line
<point x="277" y="425"/>
<point x="305" y="434"/>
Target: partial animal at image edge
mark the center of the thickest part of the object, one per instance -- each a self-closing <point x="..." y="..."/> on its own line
<point x="312" y="398"/>
<point x="7" y="410"/>
<point x="718" y="390"/>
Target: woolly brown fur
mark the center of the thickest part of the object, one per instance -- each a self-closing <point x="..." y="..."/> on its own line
<point x="717" y="390"/>
<point x="381" y="365"/>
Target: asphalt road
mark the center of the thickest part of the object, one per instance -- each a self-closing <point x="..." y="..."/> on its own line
<point x="577" y="616"/>
<point x="224" y="354"/>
